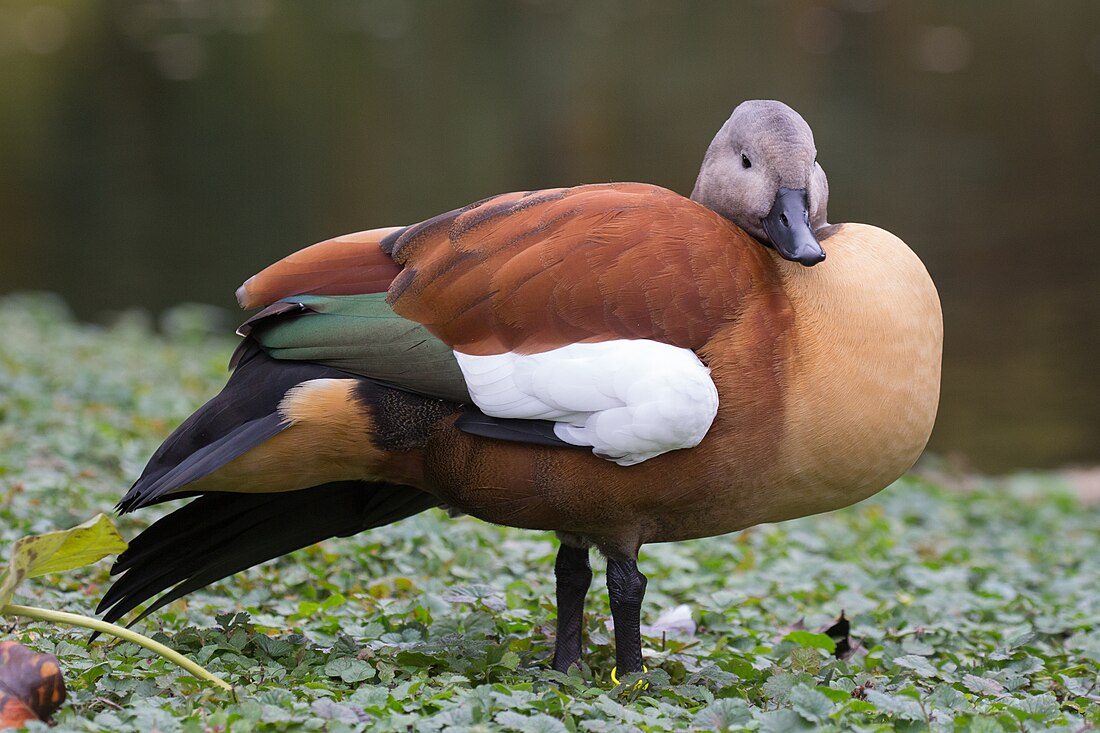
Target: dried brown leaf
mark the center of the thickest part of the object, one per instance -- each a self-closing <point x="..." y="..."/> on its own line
<point x="31" y="685"/>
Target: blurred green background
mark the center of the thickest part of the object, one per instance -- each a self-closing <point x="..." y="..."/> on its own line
<point x="160" y="151"/>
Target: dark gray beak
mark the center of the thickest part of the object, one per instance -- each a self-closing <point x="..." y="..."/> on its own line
<point x="788" y="227"/>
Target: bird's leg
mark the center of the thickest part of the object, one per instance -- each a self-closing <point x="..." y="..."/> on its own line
<point x="626" y="587"/>
<point x="573" y="574"/>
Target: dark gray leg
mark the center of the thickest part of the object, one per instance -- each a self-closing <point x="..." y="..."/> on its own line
<point x="574" y="575"/>
<point x="626" y="587"/>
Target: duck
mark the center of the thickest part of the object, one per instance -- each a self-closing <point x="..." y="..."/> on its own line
<point x="616" y="363"/>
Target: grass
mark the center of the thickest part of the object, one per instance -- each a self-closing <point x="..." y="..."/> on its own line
<point x="971" y="609"/>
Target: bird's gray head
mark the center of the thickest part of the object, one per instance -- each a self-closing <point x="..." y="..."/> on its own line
<point x="761" y="173"/>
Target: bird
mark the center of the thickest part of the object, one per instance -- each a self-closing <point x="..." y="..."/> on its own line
<point x="616" y="363"/>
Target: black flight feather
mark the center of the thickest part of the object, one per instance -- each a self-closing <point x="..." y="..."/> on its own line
<point x="534" y="432"/>
<point x="204" y="461"/>
<point x="219" y="534"/>
<point x="241" y="416"/>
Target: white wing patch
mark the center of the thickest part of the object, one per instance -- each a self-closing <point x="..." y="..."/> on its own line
<point x="630" y="400"/>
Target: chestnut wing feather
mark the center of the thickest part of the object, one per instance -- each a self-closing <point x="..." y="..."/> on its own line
<point x="353" y="264"/>
<point x="533" y="271"/>
<point x="536" y="271"/>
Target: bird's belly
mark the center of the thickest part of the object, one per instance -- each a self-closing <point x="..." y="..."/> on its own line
<point x="679" y="495"/>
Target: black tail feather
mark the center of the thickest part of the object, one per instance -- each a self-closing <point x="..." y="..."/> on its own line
<point x="220" y="534"/>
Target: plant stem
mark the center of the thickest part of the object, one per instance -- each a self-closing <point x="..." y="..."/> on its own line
<point x="75" y="619"/>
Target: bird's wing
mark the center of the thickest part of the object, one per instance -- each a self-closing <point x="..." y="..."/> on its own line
<point x="533" y="271"/>
<point x="348" y="265"/>
<point x="518" y="276"/>
<point x="359" y="334"/>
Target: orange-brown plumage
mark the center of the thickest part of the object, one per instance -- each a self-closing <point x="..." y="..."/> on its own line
<point x="349" y="264"/>
<point x="533" y="271"/>
<point x="328" y="438"/>
<point x="815" y="380"/>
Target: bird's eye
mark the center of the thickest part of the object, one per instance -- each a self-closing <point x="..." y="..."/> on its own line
<point x="745" y="162"/>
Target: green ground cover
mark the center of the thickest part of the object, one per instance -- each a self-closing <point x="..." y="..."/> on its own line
<point x="971" y="609"/>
